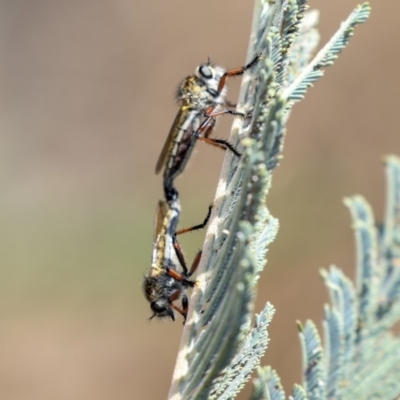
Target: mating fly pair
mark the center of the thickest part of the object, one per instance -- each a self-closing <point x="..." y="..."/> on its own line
<point x="201" y="96"/>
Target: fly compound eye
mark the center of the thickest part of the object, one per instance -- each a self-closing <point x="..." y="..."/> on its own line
<point x="157" y="308"/>
<point x="205" y="71"/>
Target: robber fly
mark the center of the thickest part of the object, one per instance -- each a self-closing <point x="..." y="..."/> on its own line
<point x="200" y="95"/>
<point x="165" y="284"/>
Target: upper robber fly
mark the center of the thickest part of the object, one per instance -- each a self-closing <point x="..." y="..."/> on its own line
<point x="200" y="95"/>
<point x="165" y="284"/>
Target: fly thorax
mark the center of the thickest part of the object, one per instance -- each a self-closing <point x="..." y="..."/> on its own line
<point x="188" y="90"/>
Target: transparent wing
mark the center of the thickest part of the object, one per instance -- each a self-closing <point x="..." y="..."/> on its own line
<point x="161" y="212"/>
<point x="166" y="151"/>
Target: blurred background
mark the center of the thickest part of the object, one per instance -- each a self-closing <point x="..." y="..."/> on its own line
<point x="87" y="99"/>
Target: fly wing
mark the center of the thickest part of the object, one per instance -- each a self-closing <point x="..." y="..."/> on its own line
<point x="169" y="143"/>
<point x="161" y="212"/>
<point x="158" y="235"/>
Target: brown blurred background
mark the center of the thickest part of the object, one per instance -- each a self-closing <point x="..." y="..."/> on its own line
<point x="87" y="99"/>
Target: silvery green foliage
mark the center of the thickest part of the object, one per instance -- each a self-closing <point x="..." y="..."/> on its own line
<point x="220" y="347"/>
<point x="237" y="373"/>
<point x="271" y="390"/>
<point x="361" y="357"/>
<point x="311" y="351"/>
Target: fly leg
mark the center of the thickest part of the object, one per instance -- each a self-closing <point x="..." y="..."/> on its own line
<point x="236" y="72"/>
<point x="177" y="246"/>
<point x="185" y="301"/>
<point x="186" y="274"/>
<point x="207" y="126"/>
<point x="182" y="311"/>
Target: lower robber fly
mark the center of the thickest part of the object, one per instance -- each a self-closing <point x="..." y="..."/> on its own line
<point x="165" y="284"/>
<point x="200" y="95"/>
